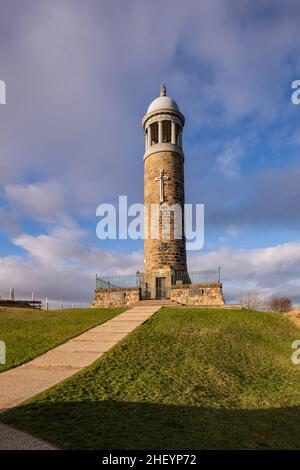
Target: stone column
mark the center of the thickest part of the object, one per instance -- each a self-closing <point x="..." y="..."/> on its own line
<point x="146" y="141"/>
<point x="149" y="136"/>
<point x="160" y="132"/>
<point x="173" y="133"/>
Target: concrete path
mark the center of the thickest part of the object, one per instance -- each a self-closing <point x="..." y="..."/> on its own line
<point x="12" y="439"/>
<point x="24" y="382"/>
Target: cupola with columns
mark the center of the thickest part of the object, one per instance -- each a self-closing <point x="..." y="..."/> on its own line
<point x="163" y="124"/>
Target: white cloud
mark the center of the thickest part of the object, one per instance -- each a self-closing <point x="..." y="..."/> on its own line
<point x="44" y="201"/>
<point x="56" y="247"/>
<point x="271" y="270"/>
<point x="59" y="265"/>
<point x="232" y="232"/>
<point x="229" y="159"/>
<point x="57" y="282"/>
<point x="8" y="222"/>
<point x="67" y="246"/>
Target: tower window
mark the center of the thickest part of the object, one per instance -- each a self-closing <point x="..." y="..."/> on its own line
<point x="166" y="131"/>
<point x="154" y="133"/>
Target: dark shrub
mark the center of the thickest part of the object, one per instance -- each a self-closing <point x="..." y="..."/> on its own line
<point x="281" y="304"/>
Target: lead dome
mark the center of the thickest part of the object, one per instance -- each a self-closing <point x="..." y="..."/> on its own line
<point x="163" y="102"/>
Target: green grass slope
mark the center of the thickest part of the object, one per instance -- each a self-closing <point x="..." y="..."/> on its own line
<point x="189" y="379"/>
<point x="29" y="332"/>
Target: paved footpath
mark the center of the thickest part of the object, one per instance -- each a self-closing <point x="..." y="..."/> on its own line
<point x="13" y="439"/>
<point x="26" y="381"/>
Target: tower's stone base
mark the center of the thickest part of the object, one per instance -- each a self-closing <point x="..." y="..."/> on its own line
<point x="198" y="294"/>
<point x="187" y="294"/>
<point x="116" y="297"/>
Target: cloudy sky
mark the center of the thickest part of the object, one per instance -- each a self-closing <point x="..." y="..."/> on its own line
<point x="80" y="76"/>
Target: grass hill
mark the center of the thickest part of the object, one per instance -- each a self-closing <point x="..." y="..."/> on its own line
<point x="189" y="379"/>
<point x="28" y="332"/>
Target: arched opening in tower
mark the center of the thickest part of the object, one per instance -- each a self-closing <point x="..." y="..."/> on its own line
<point x="154" y="133"/>
<point x="166" y="131"/>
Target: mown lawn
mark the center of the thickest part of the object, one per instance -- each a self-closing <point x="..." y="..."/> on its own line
<point x="29" y="332"/>
<point x="189" y="379"/>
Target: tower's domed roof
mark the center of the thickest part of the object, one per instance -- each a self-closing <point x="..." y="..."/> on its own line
<point x="163" y="102"/>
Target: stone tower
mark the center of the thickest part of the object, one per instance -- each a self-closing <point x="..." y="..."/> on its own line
<point x="164" y="186"/>
<point x="165" y="277"/>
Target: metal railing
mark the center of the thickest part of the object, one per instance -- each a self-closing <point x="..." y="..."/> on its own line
<point x="210" y="276"/>
<point x="117" y="281"/>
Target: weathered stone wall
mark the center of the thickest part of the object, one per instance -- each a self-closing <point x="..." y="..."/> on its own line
<point x="198" y="294"/>
<point x="164" y="252"/>
<point x="113" y="298"/>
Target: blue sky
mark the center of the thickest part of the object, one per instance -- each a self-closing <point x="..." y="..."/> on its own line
<point x="80" y="76"/>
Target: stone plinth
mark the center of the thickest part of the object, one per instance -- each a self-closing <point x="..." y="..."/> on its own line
<point x="118" y="297"/>
<point x="198" y="294"/>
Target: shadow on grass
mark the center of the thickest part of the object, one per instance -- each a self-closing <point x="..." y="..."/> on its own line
<point x="121" y="425"/>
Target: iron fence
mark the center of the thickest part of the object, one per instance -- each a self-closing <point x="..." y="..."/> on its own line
<point x="210" y="276"/>
<point x="117" y="281"/>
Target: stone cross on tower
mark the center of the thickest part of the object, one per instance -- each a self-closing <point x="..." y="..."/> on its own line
<point x="161" y="178"/>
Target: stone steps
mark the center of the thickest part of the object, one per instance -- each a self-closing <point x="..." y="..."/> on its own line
<point x="162" y="303"/>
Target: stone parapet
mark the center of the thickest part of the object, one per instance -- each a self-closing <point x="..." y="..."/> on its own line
<point x="198" y="294"/>
<point x="116" y="297"/>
